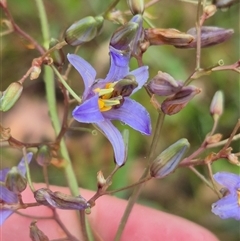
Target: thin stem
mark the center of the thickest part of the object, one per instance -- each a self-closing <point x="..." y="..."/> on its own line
<point x="198" y="28"/>
<point x="74" y="95"/>
<point x="60" y="223"/>
<point x="202" y="177"/>
<point x="110" y="7"/>
<point x="221" y="143"/>
<point x="27" y="170"/>
<point x="137" y="189"/>
<point x="44" y="22"/>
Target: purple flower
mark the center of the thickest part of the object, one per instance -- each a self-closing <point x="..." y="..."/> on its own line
<point x="229" y="205"/>
<point x="7" y="196"/>
<point x="102" y="102"/>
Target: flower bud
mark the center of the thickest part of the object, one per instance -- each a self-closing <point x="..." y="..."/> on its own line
<point x="216" y="107"/>
<point x="101" y="181"/>
<point x="136" y="6"/>
<point x="84" y="30"/>
<point x="36" y="70"/>
<point x="169" y="159"/>
<point x="164" y="84"/>
<point x="10" y="96"/>
<point x="60" y="200"/>
<point x="224" y="3"/>
<point x="174" y="104"/>
<point x="36" y="234"/>
<point x="123" y="36"/>
<point x="56" y="55"/>
<point x="160" y="36"/>
<point x="209" y="10"/>
<point x="209" y="36"/>
<point x="15" y="181"/>
<point x="233" y="159"/>
<point x="43" y="156"/>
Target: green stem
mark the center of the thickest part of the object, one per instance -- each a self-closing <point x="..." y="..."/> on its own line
<point x="44" y="22"/>
<point x="111" y="6"/>
<point x="52" y="104"/>
<point x="74" y="95"/>
<point x="137" y="189"/>
<point x="27" y="170"/>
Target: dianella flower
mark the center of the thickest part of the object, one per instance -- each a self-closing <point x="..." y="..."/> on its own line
<point x="229" y="205"/>
<point x="108" y="99"/>
<point x="7" y="196"/>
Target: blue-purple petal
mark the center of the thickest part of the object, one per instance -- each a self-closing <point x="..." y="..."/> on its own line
<point x="229" y="180"/>
<point x="7" y="196"/>
<point x="4" y="214"/>
<point x="141" y="74"/>
<point x="88" y="111"/>
<point x="3" y="174"/>
<point x="21" y="165"/>
<point x="87" y="72"/>
<point x="119" y="65"/>
<point x="227" y="207"/>
<point x="132" y="114"/>
<point x="116" y="139"/>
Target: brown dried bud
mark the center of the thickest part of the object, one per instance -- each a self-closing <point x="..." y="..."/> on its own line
<point x="164" y="84"/>
<point x="233" y="159"/>
<point x="160" y="36"/>
<point x="36" y="234"/>
<point x="214" y="138"/>
<point x="60" y="200"/>
<point x="209" y="36"/>
<point x="174" y="104"/>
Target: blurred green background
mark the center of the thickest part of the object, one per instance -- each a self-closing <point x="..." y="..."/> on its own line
<point x="182" y="193"/>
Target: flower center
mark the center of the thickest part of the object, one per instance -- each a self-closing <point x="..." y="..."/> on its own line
<point x="112" y="96"/>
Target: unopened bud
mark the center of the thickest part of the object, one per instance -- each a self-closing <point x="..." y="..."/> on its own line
<point x="43" y="156"/>
<point x="233" y="159"/>
<point x="10" y="96"/>
<point x="123" y="36"/>
<point x="136" y="6"/>
<point x="15" y="181"/>
<point x="209" y="10"/>
<point x="169" y="159"/>
<point x="216" y="107"/>
<point x="101" y="181"/>
<point x="174" y="104"/>
<point x="36" y="234"/>
<point x="164" y="84"/>
<point x="209" y="36"/>
<point x="84" y="30"/>
<point x="159" y="36"/>
<point x="36" y="70"/>
<point x="60" y="200"/>
<point x="224" y="3"/>
<point x="214" y="138"/>
<point x="56" y="55"/>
